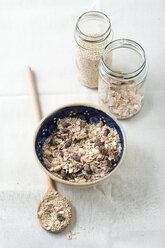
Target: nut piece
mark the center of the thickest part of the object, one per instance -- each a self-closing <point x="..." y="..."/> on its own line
<point x="69" y="236"/>
<point x="48" y="153"/>
<point x="57" y="168"/>
<point x="100" y="124"/>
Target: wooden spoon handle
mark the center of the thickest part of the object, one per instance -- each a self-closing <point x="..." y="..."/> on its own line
<point x="33" y="94"/>
<point x="37" y="112"/>
<point x="49" y="184"/>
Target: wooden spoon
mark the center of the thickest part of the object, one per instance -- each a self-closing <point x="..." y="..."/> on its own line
<point x="54" y="211"/>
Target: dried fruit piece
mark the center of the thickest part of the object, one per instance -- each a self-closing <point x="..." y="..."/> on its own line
<point x="116" y="157"/>
<point x="61" y="153"/>
<point x="64" y="130"/>
<point x="71" y="175"/>
<point x="76" y="157"/>
<point x="102" y="150"/>
<point x="110" y="169"/>
<point x="68" y="144"/>
<point x="87" y="168"/>
<point x="52" y="142"/>
<point x="109" y="163"/>
<point x="113" y="162"/>
<point x="106" y="132"/>
<point x="63" y="174"/>
<point x="98" y="142"/>
<point x="60" y="217"/>
<point x="66" y="124"/>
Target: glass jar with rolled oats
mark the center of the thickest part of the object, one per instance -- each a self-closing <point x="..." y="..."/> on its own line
<point x="122" y="74"/>
<point x="93" y="32"/>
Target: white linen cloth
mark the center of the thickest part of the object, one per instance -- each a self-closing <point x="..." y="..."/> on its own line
<point x="128" y="210"/>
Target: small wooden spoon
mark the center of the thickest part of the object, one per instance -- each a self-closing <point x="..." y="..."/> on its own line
<point x="54" y="211"/>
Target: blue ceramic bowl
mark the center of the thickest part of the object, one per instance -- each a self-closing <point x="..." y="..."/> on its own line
<point x="90" y="113"/>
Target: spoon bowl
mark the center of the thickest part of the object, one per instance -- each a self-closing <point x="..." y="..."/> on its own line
<point x="54" y="212"/>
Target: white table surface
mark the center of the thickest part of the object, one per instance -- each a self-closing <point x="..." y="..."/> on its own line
<point x="129" y="209"/>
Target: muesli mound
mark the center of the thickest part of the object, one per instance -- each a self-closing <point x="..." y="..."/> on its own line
<point x="80" y="152"/>
<point x="52" y="213"/>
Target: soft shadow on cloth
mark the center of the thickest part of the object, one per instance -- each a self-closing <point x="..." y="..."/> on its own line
<point x="128" y="190"/>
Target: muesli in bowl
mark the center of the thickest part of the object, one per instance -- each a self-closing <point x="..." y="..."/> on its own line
<point x="79" y="144"/>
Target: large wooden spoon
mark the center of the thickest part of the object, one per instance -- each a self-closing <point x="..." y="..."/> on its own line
<point x="54" y="211"/>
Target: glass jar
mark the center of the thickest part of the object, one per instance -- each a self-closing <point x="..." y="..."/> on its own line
<point x="92" y="34"/>
<point x="122" y="74"/>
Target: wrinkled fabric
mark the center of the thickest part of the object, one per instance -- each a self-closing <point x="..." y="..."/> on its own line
<point x="128" y="210"/>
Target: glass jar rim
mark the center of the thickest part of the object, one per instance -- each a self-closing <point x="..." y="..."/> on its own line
<point x="123" y="43"/>
<point x="97" y="38"/>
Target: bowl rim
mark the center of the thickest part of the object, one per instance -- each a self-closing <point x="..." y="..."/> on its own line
<point x="81" y="184"/>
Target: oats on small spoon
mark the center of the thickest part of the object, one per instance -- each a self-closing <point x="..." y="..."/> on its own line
<point x="54" y="211"/>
